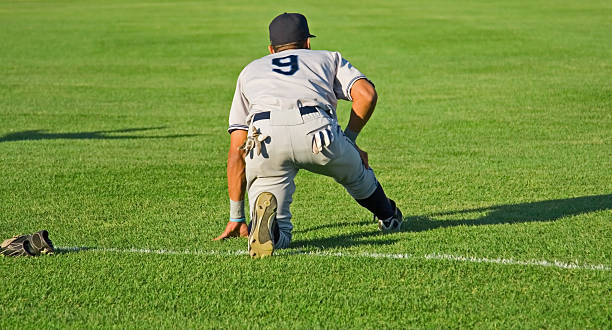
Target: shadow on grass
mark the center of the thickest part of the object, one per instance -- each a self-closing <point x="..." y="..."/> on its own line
<point x="541" y="211"/>
<point x="74" y="249"/>
<point x="345" y="240"/>
<point x="94" y="135"/>
<point x="334" y="225"/>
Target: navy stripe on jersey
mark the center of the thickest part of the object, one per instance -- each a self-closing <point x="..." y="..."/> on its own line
<point x="237" y="127"/>
<point x="350" y="85"/>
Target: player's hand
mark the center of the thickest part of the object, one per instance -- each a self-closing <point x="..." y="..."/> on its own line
<point x="364" y="157"/>
<point x="234" y="229"/>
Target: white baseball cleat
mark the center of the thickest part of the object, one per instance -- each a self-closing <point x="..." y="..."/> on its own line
<point x="393" y="223"/>
<point x="261" y="235"/>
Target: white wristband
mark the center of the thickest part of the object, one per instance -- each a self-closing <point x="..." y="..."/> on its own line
<point x="237" y="211"/>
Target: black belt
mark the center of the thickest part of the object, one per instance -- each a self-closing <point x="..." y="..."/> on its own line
<point x="303" y="111"/>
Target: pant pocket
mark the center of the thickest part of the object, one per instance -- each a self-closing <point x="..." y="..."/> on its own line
<point x="321" y="138"/>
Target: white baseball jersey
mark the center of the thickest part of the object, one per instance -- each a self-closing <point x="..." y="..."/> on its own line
<point x="277" y="81"/>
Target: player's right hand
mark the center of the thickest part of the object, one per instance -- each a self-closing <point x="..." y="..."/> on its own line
<point x="234" y="229"/>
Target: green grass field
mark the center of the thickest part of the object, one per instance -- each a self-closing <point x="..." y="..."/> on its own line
<point x="493" y="132"/>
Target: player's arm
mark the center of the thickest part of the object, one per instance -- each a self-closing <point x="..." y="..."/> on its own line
<point x="364" y="98"/>
<point x="236" y="186"/>
<point x="236" y="176"/>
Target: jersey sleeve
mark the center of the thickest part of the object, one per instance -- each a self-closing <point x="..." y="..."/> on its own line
<point x="346" y="76"/>
<point x="239" y="110"/>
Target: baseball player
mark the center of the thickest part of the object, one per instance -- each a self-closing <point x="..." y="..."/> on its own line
<point x="283" y="119"/>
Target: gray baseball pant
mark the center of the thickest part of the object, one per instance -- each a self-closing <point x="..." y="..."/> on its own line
<point x="289" y="149"/>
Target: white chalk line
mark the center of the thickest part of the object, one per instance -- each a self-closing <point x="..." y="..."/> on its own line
<point x="430" y="256"/>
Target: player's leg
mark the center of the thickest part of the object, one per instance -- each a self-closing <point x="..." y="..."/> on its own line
<point x="341" y="161"/>
<point x="271" y="171"/>
<point x="389" y="216"/>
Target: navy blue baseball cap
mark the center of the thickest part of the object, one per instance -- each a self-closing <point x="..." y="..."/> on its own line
<point x="287" y="28"/>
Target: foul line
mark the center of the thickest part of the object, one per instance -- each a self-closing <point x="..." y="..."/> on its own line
<point x="431" y="256"/>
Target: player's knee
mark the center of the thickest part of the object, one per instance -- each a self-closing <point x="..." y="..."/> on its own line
<point x="363" y="187"/>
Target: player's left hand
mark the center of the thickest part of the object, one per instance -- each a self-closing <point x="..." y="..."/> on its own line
<point x="234" y="229"/>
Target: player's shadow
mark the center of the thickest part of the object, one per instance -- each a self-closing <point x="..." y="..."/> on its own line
<point x="34" y="135"/>
<point x="542" y="211"/>
<point x="345" y="240"/>
<point x="333" y="225"/>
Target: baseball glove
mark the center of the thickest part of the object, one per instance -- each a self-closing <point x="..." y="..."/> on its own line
<point x="27" y="245"/>
<point x="41" y="243"/>
<point x="17" y="246"/>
